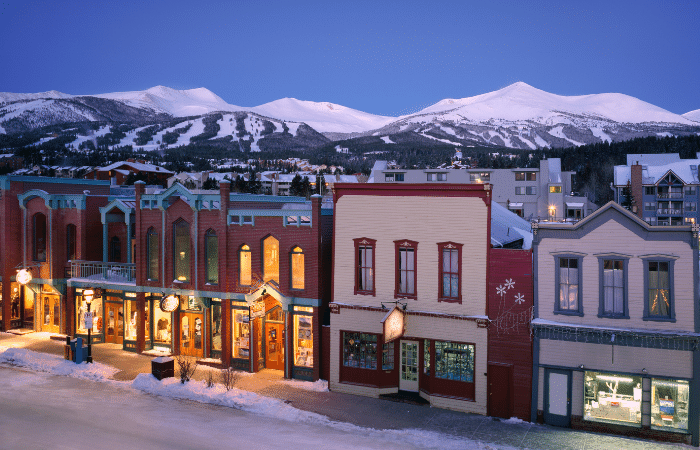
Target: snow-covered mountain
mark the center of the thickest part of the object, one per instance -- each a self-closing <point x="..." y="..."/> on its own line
<point x="693" y="115"/>
<point x="517" y="116"/>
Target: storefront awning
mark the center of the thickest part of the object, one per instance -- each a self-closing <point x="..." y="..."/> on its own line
<point x="574" y="205"/>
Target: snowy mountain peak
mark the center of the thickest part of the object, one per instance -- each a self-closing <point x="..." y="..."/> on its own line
<point x="693" y="115"/>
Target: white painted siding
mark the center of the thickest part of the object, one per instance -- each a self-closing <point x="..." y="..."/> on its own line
<point x="614" y="237"/>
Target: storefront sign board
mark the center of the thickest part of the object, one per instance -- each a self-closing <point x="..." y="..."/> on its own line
<point x="394" y="324"/>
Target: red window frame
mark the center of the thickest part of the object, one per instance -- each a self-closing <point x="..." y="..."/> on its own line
<point x="405" y="244"/>
<point x="452" y="246"/>
<point x="365" y="242"/>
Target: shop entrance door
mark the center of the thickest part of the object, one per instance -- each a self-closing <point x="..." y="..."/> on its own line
<point x="499" y="390"/>
<point x="274" y="335"/>
<point x="557" y="397"/>
<point x="51" y="313"/>
<point x="408" y="378"/>
<point x="191" y="335"/>
<point x="114" y="317"/>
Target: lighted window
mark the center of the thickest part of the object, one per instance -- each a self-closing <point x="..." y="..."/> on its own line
<point x="71" y="242"/>
<point x="152" y="254"/>
<point x="670" y="400"/>
<point x="450" y="271"/>
<point x="212" y="256"/>
<point x="271" y="259"/>
<point x="245" y="267"/>
<point x="405" y="268"/>
<point x="364" y="266"/>
<point x="555" y="189"/>
<point x="659" y="301"/>
<point x="303" y="341"/>
<point x="297" y="258"/>
<point x="454" y="361"/>
<point x="241" y="334"/>
<point x="181" y="250"/>
<point x="568" y="287"/>
<point x="39" y="225"/>
<point x="613" y="287"/>
<point x="612" y="398"/>
<point x="360" y="350"/>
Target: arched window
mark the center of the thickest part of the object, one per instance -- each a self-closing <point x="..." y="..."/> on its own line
<point x="211" y="250"/>
<point x="181" y="250"/>
<point x="245" y="267"/>
<point x="39" y="237"/>
<point x="71" y="252"/>
<point x="271" y="259"/>
<point x="152" y="254"/>
<point x="115" y="249"/>
<point x="297" y="262"/>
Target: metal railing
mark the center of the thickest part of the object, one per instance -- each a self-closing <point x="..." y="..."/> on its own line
<point x="670" y="195"/>
<point x="669" y="211"/>
<point x="101" y="271"/>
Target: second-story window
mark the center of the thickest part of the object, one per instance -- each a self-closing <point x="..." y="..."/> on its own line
<point x="568" y="275"/>
<point x="115" y="249"/>
<point x="71" y="242"/>
<point x="39" y="235"/>
<point x="297" y="261"/>
<point x="364" y="266"/>
<point x="245" y="268"/>
<point x="181" y="250"/>
<point x="405" y="268"/>
<point x="211" y="248"/>
<point x="450" y="272"/>
<point x="613" y="286"/>
<point x="152" y="245"/>
<point x="271" y="259"/>
<point x="659" y="290"/>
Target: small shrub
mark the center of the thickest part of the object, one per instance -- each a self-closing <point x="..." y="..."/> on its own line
<point x="210" y="380"/>
<point x="187" y="366"/>
<point x="229" y="378"/>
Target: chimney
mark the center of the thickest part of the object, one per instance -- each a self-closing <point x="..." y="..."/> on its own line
<point x="637" y="188"/>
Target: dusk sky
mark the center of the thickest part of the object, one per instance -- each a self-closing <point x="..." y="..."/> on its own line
<point x="387" y="58"/>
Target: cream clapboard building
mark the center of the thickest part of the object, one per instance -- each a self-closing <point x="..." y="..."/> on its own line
<point x="423" y="248"/>
<point x="617" y="326"/>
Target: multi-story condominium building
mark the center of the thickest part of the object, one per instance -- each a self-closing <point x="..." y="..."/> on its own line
<point x="544" y="193"/>
<point x="415" y="305"/>
<point x="664" y="188"/>
<point x="617" y="326"/>
<point x="45" y="223"/>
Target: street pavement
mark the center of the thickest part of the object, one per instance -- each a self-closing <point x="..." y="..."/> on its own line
<point x="369" y="412"/>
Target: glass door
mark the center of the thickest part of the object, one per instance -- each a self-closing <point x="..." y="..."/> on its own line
<point x="408" y="378"/>
<point x="191" y="335"/>
<point x="51" y="313"/>
<point x="557" y="397"/>
<point x="114" y="320"/>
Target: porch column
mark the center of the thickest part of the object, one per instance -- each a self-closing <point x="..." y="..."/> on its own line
<point x="128" y="239"/>
<point x="141" y="325"/>
<point x="105" y="242"/>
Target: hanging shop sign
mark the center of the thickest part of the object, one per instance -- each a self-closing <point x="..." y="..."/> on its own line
<point x="257" y="309"/>
<point x="394" y="324"/>
<point x="170" y="303"/>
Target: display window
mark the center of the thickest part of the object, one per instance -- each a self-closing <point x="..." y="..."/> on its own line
<point x="669" y="404"/>
<point x="303" y="340"/>
<point x="426" y="357"/>
<point x="612" y="398"/>
<point x="14" y="299"/>
<point x="162" y="325"/>
<point x="96" y="309"/>
<point x="28" y="303"/>
<point x="388" y="356"/>
<point x="454" y="361"/>
<point x="131" y="320"/>
<point x="241" y="334"/>
<point x="215" y="325"/>
<point x="360" y="350"/>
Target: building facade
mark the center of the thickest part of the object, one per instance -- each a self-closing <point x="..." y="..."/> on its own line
<point x="617" y="326"/>
<point x="544" y="193"/>
<point x="664" y="188"/>
<point x="409" y="294"/>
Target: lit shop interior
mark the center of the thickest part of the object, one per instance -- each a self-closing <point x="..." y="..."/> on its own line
<point x="615" y="398"/>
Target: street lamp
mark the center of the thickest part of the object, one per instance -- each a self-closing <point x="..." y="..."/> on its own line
<point x="89" y="294"/>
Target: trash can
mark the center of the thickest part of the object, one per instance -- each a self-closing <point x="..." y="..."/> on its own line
<point x="78" y="351"/>
<point x="163" y="367"/>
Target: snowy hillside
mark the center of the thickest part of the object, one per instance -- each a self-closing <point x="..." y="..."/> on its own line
<point x="693" y="115"/>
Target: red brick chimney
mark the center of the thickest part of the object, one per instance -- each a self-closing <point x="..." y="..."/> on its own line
<point x="637" y="189"/>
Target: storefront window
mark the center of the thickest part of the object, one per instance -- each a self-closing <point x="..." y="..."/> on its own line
<point x="15" y="302"/>
<point x="454" y="361"/>
<point x="96" y="308"/>
<point x="669" y="404"/>
<point x="303" y="341"/>
<point x="28" y="303"/>
<point x="388" y="356"/>
<point x="132" y="320"/>
<point x="426" y="357"/>
<point x="241" y="334"/>
<point x="612" y="398"/>
<point x="215" y="326"/>
<point x="163" y="327"/>
<point x="360" y="350"/>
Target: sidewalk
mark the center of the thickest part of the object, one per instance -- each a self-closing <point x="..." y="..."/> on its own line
<point x="363" y="411"/>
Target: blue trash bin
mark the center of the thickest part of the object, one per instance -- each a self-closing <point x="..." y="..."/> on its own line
<point x="78" y="351"/>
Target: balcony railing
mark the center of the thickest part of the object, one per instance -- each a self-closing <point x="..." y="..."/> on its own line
<point x="103" y="272"/>
<point x="670" y="212"/>
<point x="670" y="195"/>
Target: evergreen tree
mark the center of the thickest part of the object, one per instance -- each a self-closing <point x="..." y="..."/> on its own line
<point x="626" y="199"/>
<point x="296" y="186"/>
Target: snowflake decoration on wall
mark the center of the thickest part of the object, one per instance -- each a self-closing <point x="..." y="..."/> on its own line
<point x="509" y="283"/>
<point x="501" y="290"/>
<point x="519" y="298"/>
